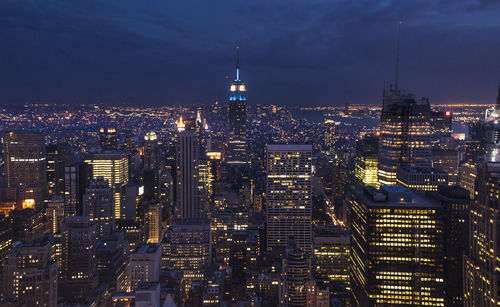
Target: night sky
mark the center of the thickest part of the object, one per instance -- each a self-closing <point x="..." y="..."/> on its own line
<point x="308" y="52"/>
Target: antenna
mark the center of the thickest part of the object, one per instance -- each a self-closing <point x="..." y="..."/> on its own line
<point x="237" y="63"/>
<point x="397" y="55"/>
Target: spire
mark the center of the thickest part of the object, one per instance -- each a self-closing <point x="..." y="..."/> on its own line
<point x="237" y="63"/>
<point x="396" y="83"/>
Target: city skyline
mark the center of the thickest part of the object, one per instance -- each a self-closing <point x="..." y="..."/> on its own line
<point x="318" y="53"/>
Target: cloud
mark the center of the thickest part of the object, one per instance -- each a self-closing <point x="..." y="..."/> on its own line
<point x="297" y="51"/>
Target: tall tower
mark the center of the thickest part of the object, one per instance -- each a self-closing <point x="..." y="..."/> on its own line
<point x="289" y="196"/>
<point x="98" y="205"/>
<point x="188" y="203"/>
<point x="25" y="164"/>
<point x="237" y="119"/>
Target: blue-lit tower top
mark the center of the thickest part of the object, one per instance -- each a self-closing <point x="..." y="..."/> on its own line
<point x="237" y="88"/>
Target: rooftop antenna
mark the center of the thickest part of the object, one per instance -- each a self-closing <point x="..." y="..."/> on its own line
<point x="237" y="63"/>
<point x="397" y="56"/>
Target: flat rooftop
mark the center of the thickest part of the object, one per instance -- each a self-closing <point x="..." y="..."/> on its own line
<point x="415" y="201"/>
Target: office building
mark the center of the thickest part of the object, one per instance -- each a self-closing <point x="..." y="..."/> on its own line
<point x="113" y="167"/>
<point x="366" y="164"/>
<point x="397" y="254"/>
<point x="153" y="223"/>
<point x="25" y="167"/>
<point x="111" y="263"/>
<point x="55" y="214"/>
<point x="421" y="179"/>
<point x="237" y="146"/>
<point x="289" y="196"/>
<point x="441" y="128"/>
<point x="76" y="179"/>
<point x="78" y="262"/>
<point x="30" y="274"/>
<point x="188" y="202"/>
<point x="58" y="157"/>
<point x="98" y="204"/>
<point x="405" y="134"/>
<point x="27" y="224"/>
<point x="446" y="160"/>
<point x="108" y="138"/>
<point x="144" y="265"/>
<point x="6" y="235"/>
<point x="456" y="204"/>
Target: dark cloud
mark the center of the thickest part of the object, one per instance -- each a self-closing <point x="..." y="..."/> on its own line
<point x="293" y="52"/>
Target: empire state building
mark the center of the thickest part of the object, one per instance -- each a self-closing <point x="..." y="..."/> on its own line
<point x="237" y="145"/>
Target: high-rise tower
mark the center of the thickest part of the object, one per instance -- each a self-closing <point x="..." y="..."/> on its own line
<point x="237" y="119"/>
<point x="289" y="196"/>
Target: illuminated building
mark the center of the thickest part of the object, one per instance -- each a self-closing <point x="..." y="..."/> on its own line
<point x="76" y="180"/>
<point x="340" y="178"/>
<point x="230" y="213"/>
<point x="151" y="165"/>
<point x="456" y="204"/>
<point x="446" y="160"/>
<point x="188" y="202"/>
<point x="78" y="262"/>
<point x="166" y="193"/>
<point x="366" y="165"/>
<point x="244" y="253"/>
<point x="329" y="127"/>
<point x="467" y="177"/>
<point x="144" y="265"/>
<point x="396" y="248"/>
<point x="98" y="205"/>
<point x="405" y="134"/>
<point x="108" y="138"/>
<point x="421" y="179"/>
<point x="133" y="232"/>
<point x="30" y="274"/>
<point x="25" y="167"/>
<point x="237" y="146"/>
<point x="153" y="222"/>
<point x="206" y="181"/>
<point x="481" y="287"/>
<point x="58" y="157"/>
<point x="330" y="258"/>
<point x="113" y="167"/>
<point x="6" y="236"/>
<point x="296" y="288"/>
<point x="187" y="247"/>
<point x="441" y="128"/>
<point x="55" y="213"/>
<point x="289" y="196"/>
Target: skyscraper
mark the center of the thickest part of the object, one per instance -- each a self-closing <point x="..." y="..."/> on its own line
<point x="289" y="196"/>
<point x="58" y="157"/>
<point x="108" y="138"/>
<point x="481" y="287"/>
<point x="113" y="167"/>
<point x="366" y="165"/>
<point x="25" y="167"/>
<point x="78" y="263"/>
<point x="396" y="248"/>
<point x="98" y="205"/>
<point x="237" y="146"/>
<point x="405" y="134"/>
<point x="188" y="202"/>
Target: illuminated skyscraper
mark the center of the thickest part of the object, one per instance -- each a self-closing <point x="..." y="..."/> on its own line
<point x="237" y="120"/>
<point x="113" y="167"/>
<point x="396" y="248"/>
<point x="405" y="134"/>
<point x="366" y="165"/>
<point x="481" y="286"/>
<point x="25" y="167"/>
<point x="289" y="196"/>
